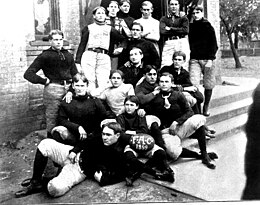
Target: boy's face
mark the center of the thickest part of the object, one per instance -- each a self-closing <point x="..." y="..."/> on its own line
<point x="197" y="15"/>
<point x="135" y="56"/>
<point x="130" y="107"/>
<point x="112" y="9"/>
<point x="57" y="41"/>
<point x="116" y="80"/>
<point x="100" y="15"/>
<point x="147" y="11"/>
<point x="151" y="77"/>
<point x="125" y="7"/>
<point x="165" y="83"/>
<point x="80" y="88"/>
<point x="109" y="137"/>
<point x="174" y="6"/>
<point x="178" y="61"/>
<point x="136" y="31"/>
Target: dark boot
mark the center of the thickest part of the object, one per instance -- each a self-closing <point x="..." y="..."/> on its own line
<point x="207" y="94"/>
<point x="167" y="175"/>
<point x="207" y="161"/>
<point x="32" y="184"/>
<point x="35" y="186"/>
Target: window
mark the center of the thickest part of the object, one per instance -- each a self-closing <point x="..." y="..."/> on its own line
<point x="46" y="17"/>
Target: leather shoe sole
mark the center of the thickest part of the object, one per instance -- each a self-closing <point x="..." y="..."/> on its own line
<point x="28" y="191"/>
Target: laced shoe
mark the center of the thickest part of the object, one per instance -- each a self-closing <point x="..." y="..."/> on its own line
<point x="35" y="186"/>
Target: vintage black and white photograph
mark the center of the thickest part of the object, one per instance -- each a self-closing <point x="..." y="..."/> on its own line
<point x="129" y="102"/>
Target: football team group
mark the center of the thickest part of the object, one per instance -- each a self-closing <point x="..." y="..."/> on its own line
<point x="126" y="96"/>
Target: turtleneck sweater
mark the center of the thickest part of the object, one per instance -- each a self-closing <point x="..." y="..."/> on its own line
<point x="82" y="111"/>
<point x="132" y="122"/>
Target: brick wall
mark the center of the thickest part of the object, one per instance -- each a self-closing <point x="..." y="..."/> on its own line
<point x="21" y="102"/>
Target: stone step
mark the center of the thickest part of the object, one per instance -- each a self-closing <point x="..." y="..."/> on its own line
<point x="233" y="97"/>
<point x="229" y="110"/>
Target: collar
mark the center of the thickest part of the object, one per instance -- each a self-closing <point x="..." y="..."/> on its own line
<point x="99" y="23"/>
<point x="139" y="66"/>
<point x="170" y="15"/>
<point x="81" y="97"/>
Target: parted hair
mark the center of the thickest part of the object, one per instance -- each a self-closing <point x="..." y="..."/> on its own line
<point x="148" y="68"/>
<point x="133" y="99"/>
<point x="179" y="53"/>
<point x="55" y="32"/>
<point x="96" y="8"/>
<point x="136" y="23"/>
<point x="116" y="71"/>
<point x="79" y="76"/>
<point x="113" y="126"/>
<point x="167" y="74"/>
<point x="121" y="2"/>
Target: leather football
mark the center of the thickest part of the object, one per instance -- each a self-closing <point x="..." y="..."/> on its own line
<point x="141" y="142"/>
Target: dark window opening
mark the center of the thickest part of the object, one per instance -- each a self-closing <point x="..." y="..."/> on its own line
<point x="46" y="17"/>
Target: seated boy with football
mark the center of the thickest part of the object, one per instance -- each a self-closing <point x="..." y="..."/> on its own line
<point x="141" y="144"/>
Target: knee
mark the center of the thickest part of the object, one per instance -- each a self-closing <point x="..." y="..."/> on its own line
<point x="130" y="156"/>
<point x="56" y="188"/>
<point x="173" y="145"/>
<point x="45" y="145"/>
<point x="159" y="154"/>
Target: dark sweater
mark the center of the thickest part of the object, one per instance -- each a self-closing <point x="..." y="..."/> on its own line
<point x="144" y="93"/>
<point x="182" y="79"/>
<point x="132" y="122"/>
<point x="108" y="159"/>
<point x="179" y="111"/>
<point x="128" y="20"/>
<point x="179" y="27"/>
<point x="132" y="74"/>
<point x="82" y="111"/>
<point x="202" y="39"/>
<point x="55" y="65"/>
<point x="151" y="56"/>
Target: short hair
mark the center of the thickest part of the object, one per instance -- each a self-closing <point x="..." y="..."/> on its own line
<point x="138" y="24"/>
<point x="121" y="2"/>
<point x="179" y="53"/>
<point x="147" y="3"/>
<point x="79" y="76"/>
<point x="55" y="32"/>
<point x="116" y="71"/>
<point x="96" y="8"/>
<point x="171" y="0"/>
<point x="136" y="48"/>
<point x="113" y="2"/>
<point x="115" y="126"/>
<point x="148" y="68"/>
<point x="167" y="74"/>
<point x="133" y="99"/>
<point x="198" y="8"/>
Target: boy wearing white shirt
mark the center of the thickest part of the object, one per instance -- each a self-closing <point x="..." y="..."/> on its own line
<point x="151" y="26"/>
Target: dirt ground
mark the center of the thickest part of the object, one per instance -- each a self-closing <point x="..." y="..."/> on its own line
<point x="251" y="67"/>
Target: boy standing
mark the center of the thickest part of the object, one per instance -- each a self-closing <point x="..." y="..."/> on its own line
<point x="94" y="51"/>
<point x="150" y="25"/>
<point x="58" y="67"/>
